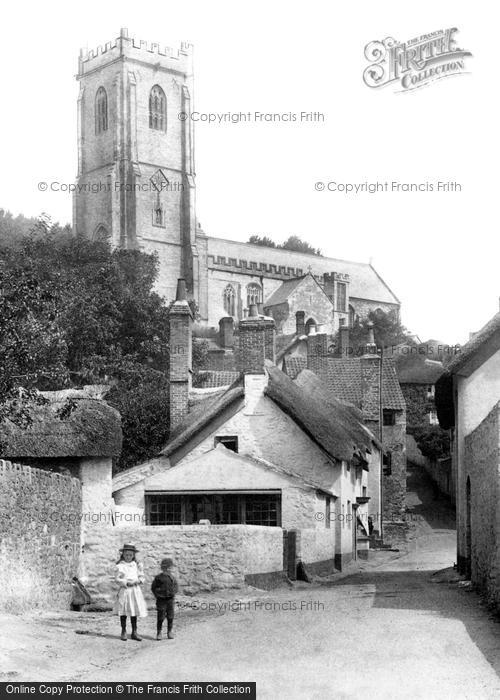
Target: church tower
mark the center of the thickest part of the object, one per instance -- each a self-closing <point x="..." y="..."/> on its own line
<point x="135" y="182"/>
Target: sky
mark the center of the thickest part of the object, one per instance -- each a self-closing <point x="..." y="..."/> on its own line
<point x="438" y="251"/>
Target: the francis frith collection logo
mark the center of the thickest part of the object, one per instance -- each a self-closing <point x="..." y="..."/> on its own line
<point x="414" y="63"/>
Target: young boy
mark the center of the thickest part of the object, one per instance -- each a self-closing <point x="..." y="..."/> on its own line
<point x="164" y="588"/>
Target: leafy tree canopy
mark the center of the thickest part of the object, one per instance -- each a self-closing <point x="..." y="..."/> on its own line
<point x="73" y="311"/>
<point x="292" y="243"/>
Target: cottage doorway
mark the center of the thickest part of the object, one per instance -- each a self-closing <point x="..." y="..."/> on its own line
<point x="468" y="531"/>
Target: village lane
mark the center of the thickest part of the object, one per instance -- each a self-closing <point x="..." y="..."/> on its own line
<point x="392" y="630"/>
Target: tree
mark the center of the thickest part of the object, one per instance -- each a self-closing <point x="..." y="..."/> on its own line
<point x="432" y="441"/>
<point x="292" y="243"/>
<point x="387" y="330"/>
<point x="300" y="246"/>
<point x="72" y="312"/>
<point x="262" y="240"/>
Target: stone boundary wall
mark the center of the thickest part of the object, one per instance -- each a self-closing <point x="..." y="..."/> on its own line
<point x="207" y="558"/>
<point x="316" y="549"/>
<point x="482" y="466"/>
<point x="39" y="537"/>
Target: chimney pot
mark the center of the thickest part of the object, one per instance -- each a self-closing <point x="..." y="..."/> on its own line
<point x="253" y="311"/>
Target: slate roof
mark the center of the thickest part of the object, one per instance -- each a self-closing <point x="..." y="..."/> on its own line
<point x="211" y="379"/>
<point x="344" y="378"/>
<point x="466" y="353"/>
<point x="280" y="295"/>
<point x="91" y="429"/>
<point x="334" y="425"/>
<point x="365" y="282"/>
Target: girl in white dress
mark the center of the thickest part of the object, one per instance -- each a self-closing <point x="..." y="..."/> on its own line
<point x="130" y="601"/>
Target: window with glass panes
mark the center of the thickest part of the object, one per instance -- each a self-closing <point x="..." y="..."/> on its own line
<point x="164" y="509"/>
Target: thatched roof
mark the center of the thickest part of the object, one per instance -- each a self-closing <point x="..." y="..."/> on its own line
<point x="335" y="426"/>
<point x="417" y="370"/>
<point x="92" y="428"/>
<point x="488" y="338"/>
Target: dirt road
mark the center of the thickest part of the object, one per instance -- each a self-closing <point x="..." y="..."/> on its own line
<point x="392" y="630"/>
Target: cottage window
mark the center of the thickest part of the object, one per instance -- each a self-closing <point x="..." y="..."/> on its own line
<point x="157" y="109"/>
<point x="433" y="418"/>
<point x="262" y="509"/>
<point x="101" y="111"/>
<point x="229" y="300"/>
<point x="230" y="442"/>
<point x="341" y="296"/>
<point x="431" y="391"/>
<point x="389" y="417"/>
<point x="219" y="508"/>
<point x="163" y="509"/>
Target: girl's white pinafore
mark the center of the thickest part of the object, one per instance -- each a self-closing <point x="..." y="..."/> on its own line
<point x="130" y="600"/>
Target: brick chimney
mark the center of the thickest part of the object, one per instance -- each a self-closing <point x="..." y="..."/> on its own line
<point x="226" y="329"/>
<point x="300" y="323"/>
<point x="181" y="323"/>
<point x="317" y="348"/>
<point x="257" y="342"/>
<point x="344" y="349"/>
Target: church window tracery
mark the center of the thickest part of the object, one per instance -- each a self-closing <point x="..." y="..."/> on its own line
<point x="157" y="109"/>
<point x="101" y="111"/>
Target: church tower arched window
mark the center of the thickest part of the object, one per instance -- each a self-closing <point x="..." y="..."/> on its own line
<point x="229" y="300"/>
<point x="157" y="109"/>
<point x="254" y="294"/>
<point x="101" y="111"/>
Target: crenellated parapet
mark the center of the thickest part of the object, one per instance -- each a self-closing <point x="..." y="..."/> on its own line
<point x="178" y="60"/>
<point x="252" y="267"/>
<point x="283" y="272"/>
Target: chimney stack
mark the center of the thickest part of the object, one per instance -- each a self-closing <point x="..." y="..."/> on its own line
<point x="371" y="347"/>
<point x="344" y="349"/>
<point x="257" y="341"/>
<point x="300" y="323"/>
<point x="226" y="329"/>
<point x="317" y="348"/>
<point x="180" y="364"/>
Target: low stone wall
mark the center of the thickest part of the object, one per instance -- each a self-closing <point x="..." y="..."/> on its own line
<point x="39" y="537"/>
<point x="207" y="558"/>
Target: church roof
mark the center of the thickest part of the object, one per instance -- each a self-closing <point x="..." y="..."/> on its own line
<point x="280" y="295"/>
<point x="365" y="282"/>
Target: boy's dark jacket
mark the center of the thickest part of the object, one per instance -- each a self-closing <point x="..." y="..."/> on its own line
<point x="164" y="585"/>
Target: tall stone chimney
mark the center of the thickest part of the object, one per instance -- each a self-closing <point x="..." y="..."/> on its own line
<point x="180" y="366"/>
<point x="257" y="342"/>
<point x="226" y="329"/>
